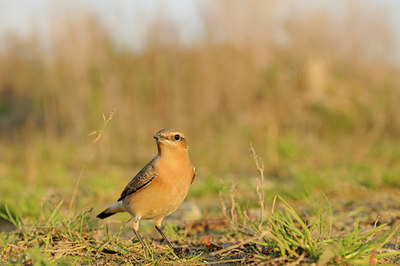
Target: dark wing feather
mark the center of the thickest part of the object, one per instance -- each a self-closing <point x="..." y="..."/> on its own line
<point x="142" y="179"/>
<point x="194" y="174"/>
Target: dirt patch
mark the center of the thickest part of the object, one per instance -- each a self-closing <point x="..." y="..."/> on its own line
<point x="6" y="226"/>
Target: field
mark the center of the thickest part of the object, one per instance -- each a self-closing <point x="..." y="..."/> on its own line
<point x="292" y="121"/>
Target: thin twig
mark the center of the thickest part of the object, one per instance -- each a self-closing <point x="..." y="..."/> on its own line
<point x="298" y="261"/>
<point x="372" y="235"/>
<point x="99" y="134"/>
<point x="260" y="184"/>
<point x="262" y="235"/>
<point x="220" y="261"/>
<point x="230" y="214"/>
<point x="233" y="205"/>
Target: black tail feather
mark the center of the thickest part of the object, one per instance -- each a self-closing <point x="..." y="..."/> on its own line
<point x="104" y="214"/>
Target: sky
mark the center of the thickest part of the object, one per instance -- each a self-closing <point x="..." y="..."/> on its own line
<point x="127" y="19"/>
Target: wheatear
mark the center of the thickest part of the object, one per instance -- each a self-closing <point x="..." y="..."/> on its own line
<point x="160" y="187"/>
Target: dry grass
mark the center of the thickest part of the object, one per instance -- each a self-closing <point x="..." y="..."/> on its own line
<point x="306" y="238"/>
<point x="328" y="81"/>
<point x="98" y="134"/>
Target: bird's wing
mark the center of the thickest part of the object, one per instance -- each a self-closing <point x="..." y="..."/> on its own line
<point x="194" y="174"/>
<point x="142" y="179"/>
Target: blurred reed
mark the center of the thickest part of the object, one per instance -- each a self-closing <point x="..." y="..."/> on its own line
<point x="258" y="72"/>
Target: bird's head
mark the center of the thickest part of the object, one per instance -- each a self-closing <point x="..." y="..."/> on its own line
<point x="170" y="140"/>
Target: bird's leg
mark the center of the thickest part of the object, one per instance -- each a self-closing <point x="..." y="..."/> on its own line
<point x="163" y="235"/>
<point x="158" y="227"/>
<point x="140" y="239"/>
<point x="135" y="228"/>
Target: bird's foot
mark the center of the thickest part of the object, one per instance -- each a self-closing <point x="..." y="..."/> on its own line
<point x="180" y="250"/>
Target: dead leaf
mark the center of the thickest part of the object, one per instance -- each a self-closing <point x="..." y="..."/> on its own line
<point x="210" y="245"/>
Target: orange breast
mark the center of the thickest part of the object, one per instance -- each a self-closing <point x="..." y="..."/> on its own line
<point x="164" y="194"/>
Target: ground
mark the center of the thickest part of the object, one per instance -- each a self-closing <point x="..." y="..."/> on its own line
<point x="81" y="238"/>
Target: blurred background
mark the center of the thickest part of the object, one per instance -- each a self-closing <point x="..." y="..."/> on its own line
<point x="313" y="85"/>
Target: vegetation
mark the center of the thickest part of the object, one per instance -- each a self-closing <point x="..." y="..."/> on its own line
<point x="313" y="91"/>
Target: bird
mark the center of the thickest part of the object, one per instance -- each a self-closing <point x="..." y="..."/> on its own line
<point x="160" y="187"/>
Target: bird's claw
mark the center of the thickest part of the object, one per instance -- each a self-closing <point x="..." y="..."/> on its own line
<point x="180" y="250"/>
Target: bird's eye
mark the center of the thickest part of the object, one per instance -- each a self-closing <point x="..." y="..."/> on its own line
<point x="177" y="137"/>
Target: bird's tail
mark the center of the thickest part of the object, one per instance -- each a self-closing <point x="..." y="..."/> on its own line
<point x="113" y="209"/>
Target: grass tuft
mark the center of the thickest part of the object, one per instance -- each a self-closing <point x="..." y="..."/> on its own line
<point x="293" y="237"/>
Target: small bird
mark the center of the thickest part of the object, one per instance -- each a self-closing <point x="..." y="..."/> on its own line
<point x="160" y="187"/>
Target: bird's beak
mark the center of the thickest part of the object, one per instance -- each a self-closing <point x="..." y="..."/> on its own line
<point x="157" y="137"/>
